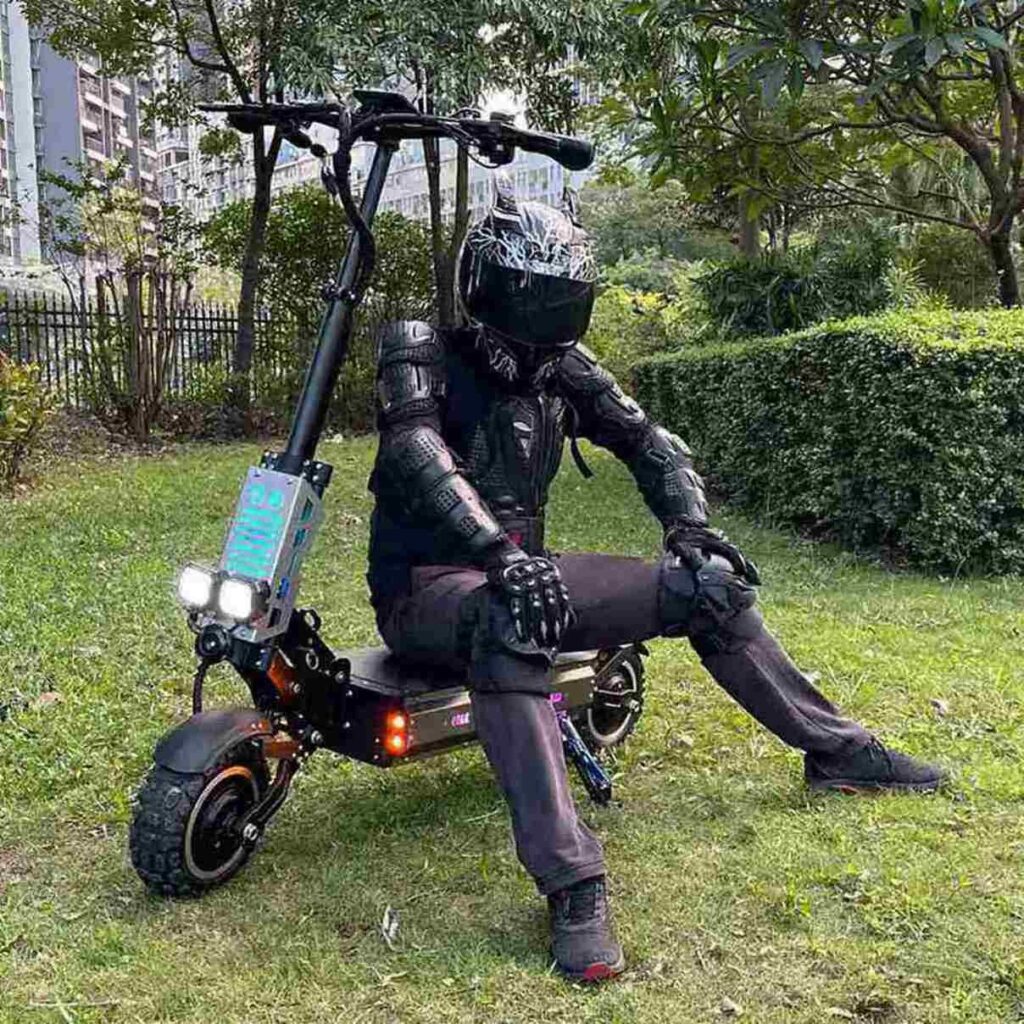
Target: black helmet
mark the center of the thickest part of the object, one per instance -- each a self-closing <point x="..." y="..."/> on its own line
<point x="527" y="271"/>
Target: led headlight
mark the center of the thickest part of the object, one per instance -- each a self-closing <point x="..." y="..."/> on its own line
<point x="195" y="587"/>
<point x="240" y="599"/>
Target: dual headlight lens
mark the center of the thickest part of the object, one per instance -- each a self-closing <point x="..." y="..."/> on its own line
<point x="237" y="599"/>
<point x="195" y="587"/>
<point x="202" y="590"/>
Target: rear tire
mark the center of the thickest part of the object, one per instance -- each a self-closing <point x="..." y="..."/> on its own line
<point x="183" y="840"/>
<point x="617" y="704"/>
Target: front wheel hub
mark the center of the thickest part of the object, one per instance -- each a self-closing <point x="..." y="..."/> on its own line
<point x="616" y="705"/>
<point x="214" y="842"/>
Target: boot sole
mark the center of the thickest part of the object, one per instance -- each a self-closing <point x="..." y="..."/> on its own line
<point x="853" y="787"/>
<point x="600" y="971"/>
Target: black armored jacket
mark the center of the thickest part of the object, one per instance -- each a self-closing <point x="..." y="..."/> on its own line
<point x="470" y="441"/>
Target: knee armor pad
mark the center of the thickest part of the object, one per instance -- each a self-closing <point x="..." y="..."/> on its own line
<point x="700" y="602"/>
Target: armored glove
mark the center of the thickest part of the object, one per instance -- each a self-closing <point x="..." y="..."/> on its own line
<point x="692" y="543"/>
<point x="538" y="600"/>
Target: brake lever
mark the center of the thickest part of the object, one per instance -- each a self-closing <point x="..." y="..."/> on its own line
<point x="492" y="145"/>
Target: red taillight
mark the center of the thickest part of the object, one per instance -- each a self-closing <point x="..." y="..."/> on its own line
<point x="397" y="738"/>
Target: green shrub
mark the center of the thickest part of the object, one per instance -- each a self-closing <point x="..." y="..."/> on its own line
<point x="850" y="272"/>
<point x="953" y="263"/>
<point x="306" y="238"/>
<point x="770" y="295"/>
<point x="900" y="432"/>
<point x="646" y="272"/>
<point x="24" y="405"/>
<point x="626" y="326"/>
<point x="630" y="325"/>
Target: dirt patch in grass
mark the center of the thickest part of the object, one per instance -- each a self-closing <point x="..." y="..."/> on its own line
<point x="14" y="867"/>
<point x="70" y="437"/>
<point x="69" y="434"/>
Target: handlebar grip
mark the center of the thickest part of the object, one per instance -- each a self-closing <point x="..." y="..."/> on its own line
<point x="572" y="154"/>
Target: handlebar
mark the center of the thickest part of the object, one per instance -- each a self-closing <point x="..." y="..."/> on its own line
<point x="572" y="154"/>
<point x="389" y="117"/>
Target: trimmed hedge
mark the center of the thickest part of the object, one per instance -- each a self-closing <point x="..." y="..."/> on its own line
<point x="901" y="432"/>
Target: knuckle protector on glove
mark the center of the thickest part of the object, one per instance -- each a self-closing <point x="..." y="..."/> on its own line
<point x="499" y="660"/>
<point x="536" y="599"/>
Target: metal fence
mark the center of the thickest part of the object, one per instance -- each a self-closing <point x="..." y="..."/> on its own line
<point x="60" y="336"/>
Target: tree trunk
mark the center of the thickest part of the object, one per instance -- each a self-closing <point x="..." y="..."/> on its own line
<point x="460" y="223"/>
<point x="264" y="159"/>
<point x="1006" y="270"/>
<point x="136" y="355"/>
<point x="443" y="282"/>
<point x="750" y="227"/>
<point x="749" y="159"/>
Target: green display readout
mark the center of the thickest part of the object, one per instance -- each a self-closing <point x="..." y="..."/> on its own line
<point x="256" y="531"/>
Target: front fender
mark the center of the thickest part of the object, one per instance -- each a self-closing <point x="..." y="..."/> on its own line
<point x="199" y="742"/>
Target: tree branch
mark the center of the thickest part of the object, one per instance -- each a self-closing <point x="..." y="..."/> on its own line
<point x="232" y="69"/>
<point x="185" y="47"/>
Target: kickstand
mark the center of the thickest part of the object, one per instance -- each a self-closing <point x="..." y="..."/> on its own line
<point x="594" y="777"/>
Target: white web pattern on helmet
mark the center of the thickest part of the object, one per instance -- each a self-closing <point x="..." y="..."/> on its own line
<point x="535" y="253"/>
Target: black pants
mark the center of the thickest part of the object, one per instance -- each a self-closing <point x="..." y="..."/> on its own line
<point x="617" y="602"/>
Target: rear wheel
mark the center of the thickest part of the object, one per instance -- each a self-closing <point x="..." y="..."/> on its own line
<point x="617" y="704"/>
<point x="185" y="836"/>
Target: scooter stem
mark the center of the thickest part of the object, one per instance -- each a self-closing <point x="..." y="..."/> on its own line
<point x="334" y="335"/>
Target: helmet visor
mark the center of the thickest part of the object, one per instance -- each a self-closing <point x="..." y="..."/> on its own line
<point x="539" y="310"/>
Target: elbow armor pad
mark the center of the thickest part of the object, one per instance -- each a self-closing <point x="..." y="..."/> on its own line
<point x="659" y="460"/>
<point x="664" y="473"/>
<point x="419" y="466"/>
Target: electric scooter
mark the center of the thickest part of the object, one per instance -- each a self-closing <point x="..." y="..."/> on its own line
<point x="211" y="793"/>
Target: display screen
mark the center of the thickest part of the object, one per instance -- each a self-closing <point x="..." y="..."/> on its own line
<point x="256" y="532"/>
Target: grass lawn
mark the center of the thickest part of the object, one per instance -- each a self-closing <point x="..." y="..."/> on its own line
<point x="730" y="883"/>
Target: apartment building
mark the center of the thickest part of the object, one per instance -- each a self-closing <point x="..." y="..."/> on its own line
<point x="206" y="186"/>
<point x="85" y="119"/>
<point x="19" y="236"/>
<point x="535" y="177"/>
<point x="60" y="115"/>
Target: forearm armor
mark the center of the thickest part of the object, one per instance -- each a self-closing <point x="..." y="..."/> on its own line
<point x="659" y="460"/>
<point x="417" y="463"/>
<point x="413" y="463"/>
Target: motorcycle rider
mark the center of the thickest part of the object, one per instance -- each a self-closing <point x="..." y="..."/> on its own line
<point x="472" y="423"/>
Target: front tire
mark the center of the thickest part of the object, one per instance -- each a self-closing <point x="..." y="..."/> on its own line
<point x="183" y="837"/>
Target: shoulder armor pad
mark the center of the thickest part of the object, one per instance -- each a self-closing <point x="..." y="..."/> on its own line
<point x="580" y="372"/>
<point x="410" y="369"/>
<point x="409" y="341"/>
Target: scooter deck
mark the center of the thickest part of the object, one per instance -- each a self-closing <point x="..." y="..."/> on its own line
<point x="396" y="710"/>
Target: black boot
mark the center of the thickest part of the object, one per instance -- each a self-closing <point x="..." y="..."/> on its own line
<point x="583" y="940"/>
<point x="871" y="767"/>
